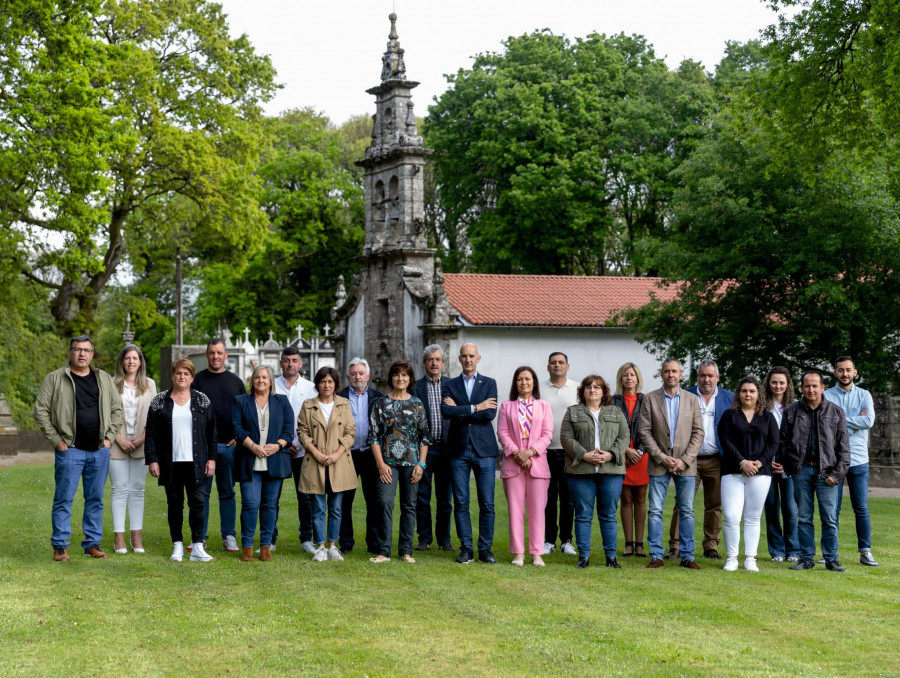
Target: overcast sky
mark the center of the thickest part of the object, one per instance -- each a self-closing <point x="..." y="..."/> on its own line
<point x="328" y="53"/>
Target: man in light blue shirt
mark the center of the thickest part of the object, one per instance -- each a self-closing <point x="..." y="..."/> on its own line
<point x="859" y="409"/>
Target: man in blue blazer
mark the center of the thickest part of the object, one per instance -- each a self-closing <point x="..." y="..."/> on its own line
<point x="714" y="401"/>
<point x="430" y="389"/>
<point x="471" y="405"/>
<point x="362" y="402"/>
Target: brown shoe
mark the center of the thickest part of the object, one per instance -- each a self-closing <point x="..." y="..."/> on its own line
<point x="656" y="562"/>
<point x="690" y="564"/>
<point x="61" y="554"/>
<point x="265" y="553"/>
<point x="247" y="554"/>
<point x="94" y="552"/>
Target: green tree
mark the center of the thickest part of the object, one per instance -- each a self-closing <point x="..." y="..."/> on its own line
<point x="775" y="264"/>
<point x="553" y="156"/>
<point x="110" y="111"/>
<point x="316" y="212"/>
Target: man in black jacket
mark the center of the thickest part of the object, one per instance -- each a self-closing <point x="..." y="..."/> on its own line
<point x="815" y="451"/>
<point x="430" y="390"/>
<point x="362" y="401"/>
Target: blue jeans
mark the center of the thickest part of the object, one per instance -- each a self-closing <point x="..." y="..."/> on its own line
<point x="806" y="484"/>
<point x="259" y="498"/>
<point x="858" y="483"/>
<point x="781" y="518"/>
<point x="684" y="495"/>
<point x="318" y="505"/>
<point x="91" y="468"/>
<point x="484" y="469"/>
<point x="225" y="489"/>
<point x="606" y="489"/>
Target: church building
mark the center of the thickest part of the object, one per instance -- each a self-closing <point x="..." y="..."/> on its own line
<point x="401" y="301"/>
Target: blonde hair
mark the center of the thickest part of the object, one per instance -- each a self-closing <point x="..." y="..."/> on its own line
<point x="257" y="370"/>
<point x="184" y="363"/>
<point x="639" y="387"/>
<point x="141" y="382"/>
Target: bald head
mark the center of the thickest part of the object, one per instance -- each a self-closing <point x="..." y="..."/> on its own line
<point x="469" y="359"/>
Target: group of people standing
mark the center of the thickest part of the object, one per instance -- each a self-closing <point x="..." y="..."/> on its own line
<point x="563" y="448"/>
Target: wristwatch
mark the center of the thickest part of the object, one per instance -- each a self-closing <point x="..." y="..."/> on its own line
<point x="422" y="464"/>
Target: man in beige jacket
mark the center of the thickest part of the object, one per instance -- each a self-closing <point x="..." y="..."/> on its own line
<point x="671" y="430"/>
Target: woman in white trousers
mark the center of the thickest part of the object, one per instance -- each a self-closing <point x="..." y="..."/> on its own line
<point x="127" y="472"/>
<point x="748" y="433"/>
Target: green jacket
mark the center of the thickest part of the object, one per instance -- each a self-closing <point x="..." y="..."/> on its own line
<point x="54" y="409"/>
<point x="577" y="437"/>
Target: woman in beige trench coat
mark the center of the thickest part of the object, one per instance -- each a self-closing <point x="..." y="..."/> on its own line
<point x="326" y="430"/>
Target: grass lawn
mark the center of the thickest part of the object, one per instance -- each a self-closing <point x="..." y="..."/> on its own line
<point x="145" y="615"/>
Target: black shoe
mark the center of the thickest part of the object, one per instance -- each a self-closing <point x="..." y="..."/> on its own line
<point x="672" y="554"/>
<point x="583" y="563"/>
<point x="712" y="554"/>
<point x="422" y="546"/>
<point x="447" y="547"/>
<point x="465" y="556"/>
<point x="487" y="557"/>
<point x="611" y="562"/>
<point x="835" y="566"/>
<point x="690" y="564"/>
<point x="345" y="548"/>
<point x="802" y="565"/>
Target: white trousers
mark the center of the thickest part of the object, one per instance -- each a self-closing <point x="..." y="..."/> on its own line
<point x="743" y="495"/>
<point x="127" y="478"/>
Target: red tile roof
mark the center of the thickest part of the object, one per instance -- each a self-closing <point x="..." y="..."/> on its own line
<point x="548" y="300"/>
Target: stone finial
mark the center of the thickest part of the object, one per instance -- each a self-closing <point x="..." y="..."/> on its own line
<point x="341" y="295"/>
<point x="128" y="335"/>
<point x="299" y="329"/>
<point x="392" y="66"/>
<point x="226" y="336"/>
<point x="246" y="335"/>
<point x="438" y="272"/>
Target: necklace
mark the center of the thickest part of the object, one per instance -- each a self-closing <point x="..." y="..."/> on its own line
<point x="181" y="398"/>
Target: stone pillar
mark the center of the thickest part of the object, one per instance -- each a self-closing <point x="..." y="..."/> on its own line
<point x="9" y="434"/>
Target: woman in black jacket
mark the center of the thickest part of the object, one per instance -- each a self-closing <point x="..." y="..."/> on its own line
<point x="629" y="398"/>
<point x="181" y="451"/>
<point x="748" y="434"/>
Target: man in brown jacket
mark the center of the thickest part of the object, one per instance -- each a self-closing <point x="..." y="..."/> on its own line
<point x="671" y="430"/>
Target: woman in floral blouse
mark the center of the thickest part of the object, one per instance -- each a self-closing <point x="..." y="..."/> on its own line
<point x="398" y="435"/>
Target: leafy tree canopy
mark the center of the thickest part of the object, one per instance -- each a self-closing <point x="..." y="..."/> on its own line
<point x="555" y="155"/>
<point x="115" y="114"/>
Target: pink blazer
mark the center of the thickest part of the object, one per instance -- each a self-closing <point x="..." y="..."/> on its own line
<point x="510" y="438"/>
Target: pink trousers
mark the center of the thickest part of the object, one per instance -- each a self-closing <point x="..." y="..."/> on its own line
<point x="520" y="491"/>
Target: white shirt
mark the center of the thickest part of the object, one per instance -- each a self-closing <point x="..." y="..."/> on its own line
<point x="326" y="410"/>
<point x="302" y="390"/>
<point x="778" y="412"/>
<point x="129" y="409"/>
<point x="596" y="416"/>
<point x="708" y="414"/>
<point x="560" y="400"/>
<point x="182" y="432"/>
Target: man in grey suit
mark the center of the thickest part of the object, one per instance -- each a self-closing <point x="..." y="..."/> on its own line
<point x="671" y="430"/>
<point x="430" y="390"/>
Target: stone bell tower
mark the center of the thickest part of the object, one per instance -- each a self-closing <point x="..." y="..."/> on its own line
<point x="392" y="300"/>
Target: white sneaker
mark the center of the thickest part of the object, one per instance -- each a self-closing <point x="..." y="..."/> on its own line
<point x="320" y="555"/>
<point x="198" y="553"/>
<point x="334" y="553"/>
<point x="177" y="551"/>
<point x="230" y="544"/>
<point x="307" y="547"/>
<point x="750" y="564"/>
<point x="568" y="549"/>
<point x="731" y="565"/>
<point x="272" y="549"/>
<point x="549" y="548"/>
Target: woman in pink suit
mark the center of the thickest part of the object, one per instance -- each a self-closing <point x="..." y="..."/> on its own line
<point x="525" y="429"/>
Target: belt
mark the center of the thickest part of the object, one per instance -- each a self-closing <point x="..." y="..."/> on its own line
<point x="814" y="463"/>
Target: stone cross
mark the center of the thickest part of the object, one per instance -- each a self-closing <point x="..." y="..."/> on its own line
<point x="299" y="329"/>
<point x="247" y="335"/>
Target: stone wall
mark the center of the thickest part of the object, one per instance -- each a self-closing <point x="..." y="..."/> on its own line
<point x="884" y="443"/>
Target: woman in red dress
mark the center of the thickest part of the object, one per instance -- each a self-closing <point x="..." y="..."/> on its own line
<point x="634" y="489"/>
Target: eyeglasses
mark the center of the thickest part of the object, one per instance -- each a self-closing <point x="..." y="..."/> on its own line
<point x="81" y="350"/>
